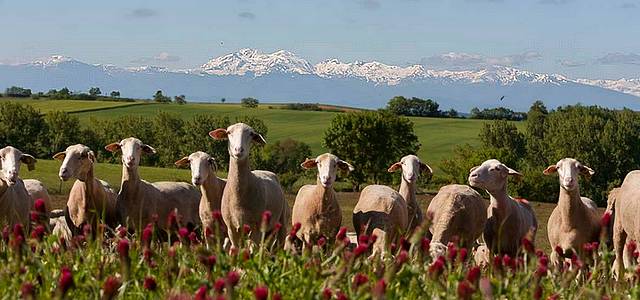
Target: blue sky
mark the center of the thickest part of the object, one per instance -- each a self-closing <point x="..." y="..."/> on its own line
<point x="592" y="39"/>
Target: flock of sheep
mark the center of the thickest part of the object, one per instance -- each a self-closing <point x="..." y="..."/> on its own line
<point x="457" y="212"/>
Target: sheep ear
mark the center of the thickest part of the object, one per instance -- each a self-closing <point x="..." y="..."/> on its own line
<point x="182" y="162"/>
<point x="60" y="155"/>
<point x="113" y="147"/>
<point x="91" y="156"/>
<point x="586" y="171"/>
<point x="550" y="170"/>
<point x="218" y="134"/>
<point x="513" y="172"/>
<point x="425" y="168"/>
<point x="309" y="163"/>
<point x="395" y="167"/>
<point x="345" y="166"/>
<point x="257" y="138"/>
<point x="148" y="149"/>
<point x="29" y="160"/>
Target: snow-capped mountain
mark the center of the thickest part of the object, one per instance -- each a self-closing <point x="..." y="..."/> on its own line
<point x="253" y="61"/>
<point x="627" y="86"/>
<point x="282" y="76"/>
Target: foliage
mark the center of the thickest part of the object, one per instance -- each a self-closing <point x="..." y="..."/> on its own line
<point x="160" y="98"/>
<point x="182" y="99"/>
<point x="498" y="113"/>
<point x="95" y="91"/>
<point x="303" y="106"/>
<point x="16" y="91"/>
<point x="400" y="105"/>
<point x="249" y="102"/>
<point x="115" y="94"/>
<point x="371" y="141"/>
<point x="22" y="127"/>
<point x="283" y="158"/>
<point x="63" y="130"/>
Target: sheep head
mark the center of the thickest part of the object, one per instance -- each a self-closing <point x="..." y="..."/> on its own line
<point x="132" y="148"/>
<point x="77" y="160"/>
<point x="411" y="167"/>
<point x="568" y="170"/>
<point x="240" y="137"/>
<point x="202" y="166"/>
<point x="328" y="165"/>
<point x="10" y="159"/>
<point x="491" y="175"/>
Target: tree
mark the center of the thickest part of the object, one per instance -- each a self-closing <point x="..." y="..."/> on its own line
<point x="180" y="99"/>
<point x="535" y="135"/>
<point x="371" y="141"/>
<point x="16" y="91"/>
<point x="249" y="102"/>
<point x="63" y="129"/>
<point x="23" y="127"/>
<point x="95" y="91"/>
<point x="400" y="105"/>
<point x="115" y="94"/>
<point x="160" y="98"/>
<point x="223" y="100"/>
<point x="284" y="157"/>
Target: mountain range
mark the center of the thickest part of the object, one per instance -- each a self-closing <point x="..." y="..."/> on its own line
<point x="282" y="76"/>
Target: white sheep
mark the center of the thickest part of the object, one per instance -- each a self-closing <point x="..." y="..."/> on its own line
<point x="15" y="202"/>
<point x="457" y="211"/>
<point x="140" y="202"/>
<point x="387" y="214"/>
<point x="37" y="190"/>
<point x="626" y="227"/>
<point x="316" y="207"/>
<point x="90" y="200"/>
<point x="203" y="174"/>
<point x="575" y="220"/>
<point x="509" y="220"/>
<point x="248" y="194"/>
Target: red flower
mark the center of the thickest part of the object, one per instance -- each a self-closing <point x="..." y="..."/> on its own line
<point x="473" y="275"/>
<point x="404" y="244"/>
<point x="537" y="293"/>
<point x="183" y="232"/>
<point x="497" y="262"/>
<point x="246" y="229"/>
<point x="5" y="234"/>
<point x="606" y="219"/>
<point x="342" y="234"/>
<point x="277" y="227"/>
<point x="425" y="245"/>
<point x="363" y="239"/>
<point x="296" y="227"/>
<point x="527" y="245"/>
<point x="276" y="296"/>
<point x="65" y="281"/>
<point x="465" y="290"/>
<point x="261" y="293"/>
<point x="321" y="241"/>
<point x="147" y="234"/>
<point x="193" y="237"/>
<point x="18" y="230"/>
<point x="28" y="290"/>
<point x="233" y="278"/>
<point x="359" y="250"/>
<point x="437" y="267"/>
<point x="40" y="206"/>
<point x="544" y="261"/>
<point x="462" y="255"/>
<point x="123" y="247"/>
<point x="341" y="296"/>
<point x="326" y="294"/>
<point x="38" y="232"/>
<point x="150" y="283"/>
<point x="452" y="252"/>
<point x="380" y="289"/>
<point x="122" y="231"/>
<point x="541" y="271"/>
<point x="219" y="285"/>
<point x="559" y="250"/>
<point x="201" y="293"/>
<point x="172" y="219"/>
<point x="266" y="217"/>
<point x="360" y="279"/>
<point x="402" y="257"/>
<point x="110" y="287"/>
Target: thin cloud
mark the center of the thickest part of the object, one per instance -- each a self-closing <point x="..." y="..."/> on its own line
<point x="247" y="15"/>
<point x="571" y="63"/>
<point x="466" y="60"/>
<point x="162" y="57"/>
<point x="369" y="4"/>
<point x="143" y="13"/>
<point x="620" y="59"/>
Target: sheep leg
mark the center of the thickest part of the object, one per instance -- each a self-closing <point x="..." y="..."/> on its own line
<point x="619" y="241"/>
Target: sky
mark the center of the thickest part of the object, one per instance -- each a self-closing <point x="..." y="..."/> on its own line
<point x="576" y="38"/>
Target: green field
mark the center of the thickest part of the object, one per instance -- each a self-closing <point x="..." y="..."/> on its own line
<point x="70" y="105"/>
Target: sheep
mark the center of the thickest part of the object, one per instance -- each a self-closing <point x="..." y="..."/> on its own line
<point x="15" y="202"/>
<point x="203" y="174"/>
<point x="385" y="213"/>
<point x="37" y="190"/>
<point x="575" y="220"/>
<point x="316" y="207"/>
<point x="457" y="211"/>
<point x="626" y="227"/>
<point x="140" y="202"/>
<point x="610" y="210"/>
<point x="249" y="194"/>
<point x="90" y="200"/>
<point x="508" y="220"/>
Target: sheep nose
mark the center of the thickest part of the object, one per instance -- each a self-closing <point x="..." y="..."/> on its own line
<point x="238" y="149"/>
<point x="196" y="179"/>
<point x="473" y="175"/>
<point x="129" y="159"/>
<point x="64" y="172"/>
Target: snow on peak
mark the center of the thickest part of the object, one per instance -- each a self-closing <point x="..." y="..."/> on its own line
<point x="371" y="71"/>
<point x="53" y="60"/>
<point x="253" y="61"/>
<point x="623" y="85"/>
<point x="148" y="69"/>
